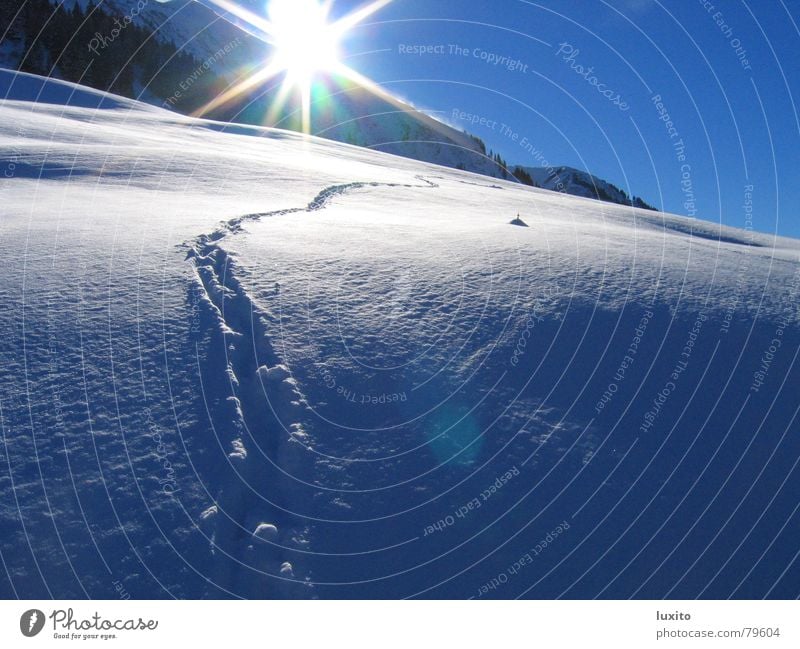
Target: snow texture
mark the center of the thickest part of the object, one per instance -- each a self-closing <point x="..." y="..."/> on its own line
<point x="237" y="362"/>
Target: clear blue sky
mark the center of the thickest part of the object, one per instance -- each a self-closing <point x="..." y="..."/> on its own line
<point x="736" y="111"/>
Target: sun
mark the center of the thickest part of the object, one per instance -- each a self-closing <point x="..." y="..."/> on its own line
<point x="305" y="43"/>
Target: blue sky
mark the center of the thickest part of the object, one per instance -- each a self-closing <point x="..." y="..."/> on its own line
<point x="581" y="80"/>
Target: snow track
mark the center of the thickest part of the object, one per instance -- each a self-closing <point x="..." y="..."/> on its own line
<point x="312" y="405"/>
<point x="205" y="243"/>
<point x="263" y="394"/>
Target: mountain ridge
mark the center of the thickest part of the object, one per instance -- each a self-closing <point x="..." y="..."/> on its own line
<point x="194" y="53"/>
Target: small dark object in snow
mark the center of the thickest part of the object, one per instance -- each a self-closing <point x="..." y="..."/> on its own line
<point x="519" y="221"/>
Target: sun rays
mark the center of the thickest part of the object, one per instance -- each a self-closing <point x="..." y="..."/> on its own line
<point x="306" y="49"/>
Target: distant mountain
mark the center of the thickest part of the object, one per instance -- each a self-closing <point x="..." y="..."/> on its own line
<point x="568" y="180"/>
<point x="178" y="54"/>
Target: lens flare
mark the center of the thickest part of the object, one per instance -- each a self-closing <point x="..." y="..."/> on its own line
<point x="305" y="43"/>
<point x="306" y="46"/>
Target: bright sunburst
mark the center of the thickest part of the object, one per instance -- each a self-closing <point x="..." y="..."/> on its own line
<point x="306" y="47"/>
<point x="305" y="44"/>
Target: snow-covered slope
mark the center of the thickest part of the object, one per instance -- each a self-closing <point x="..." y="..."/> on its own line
<point x="222" y="55"/>
<point x="237" y="362"/>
